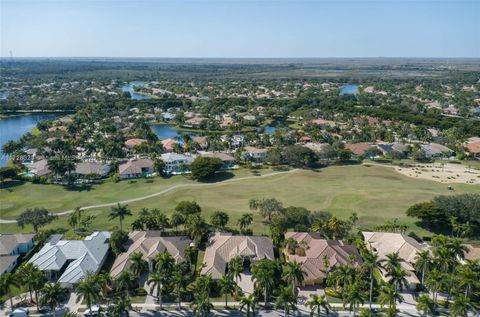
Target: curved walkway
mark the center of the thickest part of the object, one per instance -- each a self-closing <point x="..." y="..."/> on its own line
<point x="164" y="191"/>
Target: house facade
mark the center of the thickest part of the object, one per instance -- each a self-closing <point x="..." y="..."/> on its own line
<point x="176" y="163"/>
<point x="135" y="168"/>
<point x="11" y="247"/>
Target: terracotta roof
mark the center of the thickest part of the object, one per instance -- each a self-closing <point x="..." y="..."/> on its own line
<point x="168" y="144"/>
<point x="473" y="145"/>
<point x="133" y="142"/>
<point x="320" y="121"/>
<point x="150" y="243"/>
<point x="222" y="247"/>
<point x="316" y="249"/>
<point x="358" y="148"/>
<point x="473" y="252"/>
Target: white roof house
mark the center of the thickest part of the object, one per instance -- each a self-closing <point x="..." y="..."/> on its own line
<point x="74" y="257"/>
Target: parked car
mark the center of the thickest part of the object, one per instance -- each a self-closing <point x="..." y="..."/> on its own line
<point x="20" y="312"/>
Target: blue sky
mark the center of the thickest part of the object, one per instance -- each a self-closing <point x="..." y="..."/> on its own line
<point x="248" y="28"/>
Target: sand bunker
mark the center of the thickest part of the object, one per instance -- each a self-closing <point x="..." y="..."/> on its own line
<point x="443" y="173"/>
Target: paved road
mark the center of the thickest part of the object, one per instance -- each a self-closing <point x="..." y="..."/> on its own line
<point x="66" y="212"/>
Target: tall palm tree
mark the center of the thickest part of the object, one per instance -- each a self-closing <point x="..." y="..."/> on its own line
<point x="245" y="221"/>
<point x="248" y="303"/>
<point x="120" y="212"/>
<point x="138" y="265"/>
<point x="52" y="295"/>
<point x="371" y="265"/>
<point x="354" y="297"/>
<point x="422" y="264"/>
<point x="227" y="286"/>
<point x="88" y="289"/>
<point x="286" y="299"/>
<point x="434" y="282"/>
<point x="426" y="305"/>
<point x="263" y="276"/>
<point x="38" y="280"/>
<point x="389" y="296"/>
<point x="179" y="281"/>
<point x="164" y="262"/>
<point x="235" y="268"/>
<point x="121" y="306"/>
<point x="26" y="273"/>
<point x="317" y="303"/>
<point x="7" y="282"/>
<point x="202" y="305"/>
<point x="468" y="275"/>
<point x="392" y="261"/>
<point x="462" y="306"/>
<point x="398" y="277"/>
<point x="293" y="274"/>
<point x="157" y="281"/>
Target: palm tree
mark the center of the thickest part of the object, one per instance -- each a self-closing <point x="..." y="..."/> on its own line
<point x="26" y="273"/>
<point x="157" y="280"/>
<point x="371" y="264"/>
<point x="389" y="295"/>
<point x="191" y="256"/>
<point x="202" y="305"/>
<point x="245" y="221"/>
<point x="88" y="289"/>
<point x="235" y="268"/>
<point x="7" y="282"/>
<point x="121" y="306"/>
<point x="248" y="302"/>
<point x="227" y="286"/>
<point x="294" y="274"/>
<point x="263" y="276"/>
<point x="354" y="297"/>
<point x="392" y="261"/>
<point x="164" y="262"/>
<point x="38" y="280"/>
<point x="179" y="281"/>
<point x="317" y="303"/>
<point x="468" y="275"/>
<point x="286" y="299"/>
<point x="461" y="306"/>
<point x="434" y="282"/>
<point x="52" y="295"/>
<point x="422" y="263"/>
<point x="398" y="277"/>
<point x="138" y="265"/>
<point x="426" y="305"/>
<point x="120" y="212"/>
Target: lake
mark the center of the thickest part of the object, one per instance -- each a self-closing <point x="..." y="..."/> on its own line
<point x="167" y="131"/>
<point x="14" y="127"/>
<point x="130" y="88"/>
<point x="348" y="89"/>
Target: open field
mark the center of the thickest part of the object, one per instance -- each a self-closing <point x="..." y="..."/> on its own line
<point x="376" y="193"/>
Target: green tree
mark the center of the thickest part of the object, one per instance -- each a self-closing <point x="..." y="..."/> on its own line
<point x="121" y="306"/>
<point x="227" y="286"/>
<point x="235" y="268"/>
<point x="157" y="281"/>
<point x="37" y="217"/>
<point x="117" y="239"/>
<point x="88" y="289"/>
<point x="293" y="274"/>
<point x="205" y="167"/>
<point x="138" y="265"/>
<point x="245" y="221"/>
<point x="219" y="220"/>
<point x="266" y="206"/>
<point x="248" y="303"/>
<point x="286" y="300"/>
<point x="120" y="212"/>
<point x="7" y="282"/>
<point x="179" y="281"/>
<point x="52" y="295"/>
<point x="354" y="297"/>
<point x="317" y="303"/>
<point x="389" y="296"/>
<point x="371" y="265"/>
<point x="186" y="208"/>
<point x="426" y="305"/>
<point x="263" y="273"/>
<point x="422" y="264"/>
<point x="462" y="306"/>
<point x="201" y="305"/>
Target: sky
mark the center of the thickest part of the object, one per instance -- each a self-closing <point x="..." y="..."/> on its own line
<point x="240" y="28"/>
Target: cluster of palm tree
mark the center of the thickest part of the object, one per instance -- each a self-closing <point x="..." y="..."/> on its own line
<point x="445" y="270"/>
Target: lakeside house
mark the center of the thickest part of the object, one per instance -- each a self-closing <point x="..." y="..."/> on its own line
<point x="168" y="144"/>
<point x="135" y="168"/>
<point x="223" y="247"/>
<point x="149" y="244"/>
<point x="319" y="256"/>
<point x="67" y="261"/>
<point x="11" y="247"/>
<point x="384" y="243"/>
<point x="176" y="163"/>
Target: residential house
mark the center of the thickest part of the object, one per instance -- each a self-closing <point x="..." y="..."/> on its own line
<point x="393" y="148"/>
<point x="384" y="243"/>
<point x="227" y="159"/>
<point x="11" y="247"/>
<point x="194" y="122"/>
<point x="168" y="144"/>
<point x="176" y="163"/>
<point x="39" y="168"/>
<point x="92" y="169"/>
<point x="435" y="150"/>
<point x="68" y="261"/>
<point x="131" y="143"/>
<point x="473" y="253"/>
<point x="255" y="154"/>
<point x="168" y="116"/>
<point x="359" y="149"/>
<point x="136" y="168"/>
<point x="202" y="142"/>
<point x="318" y="256"/>
<point x="149" y="244"/>
<point x="223" y="247"/>
<point x="472" y="147"/>
<point x="322" y="122"/>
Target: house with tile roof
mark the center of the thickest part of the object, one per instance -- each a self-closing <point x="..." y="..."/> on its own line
<point x="384" y="243"/>
<point x="131" y="143"/>
<point x="319" y="256"/>
<point x="176" y="163"/>
<point x="435" y="150"/>
<point x="11" y="247"/>
<point x="227" y="159"/>
<point x="85" y="169"/>
<point x="135" y="168"/>
<point x="149" y="244"/>
<point x="67" y="261"/>
<point x="223" y="247"/>
<point x="168" y="144"/>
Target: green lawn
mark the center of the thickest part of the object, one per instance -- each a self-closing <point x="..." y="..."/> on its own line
<point x="377" y="194"/>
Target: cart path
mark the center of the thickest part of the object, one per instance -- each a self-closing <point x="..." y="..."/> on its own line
<point x="164" y="191"/>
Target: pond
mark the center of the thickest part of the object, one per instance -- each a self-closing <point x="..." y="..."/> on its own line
<point x="14" y="127"/>
<point x="130" y="88"/>
<point x="168" y="131"/>
<point x="348" y="89"/>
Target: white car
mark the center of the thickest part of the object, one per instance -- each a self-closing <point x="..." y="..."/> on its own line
<point x="19" y="312"/>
